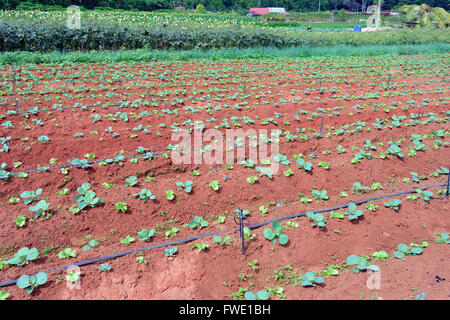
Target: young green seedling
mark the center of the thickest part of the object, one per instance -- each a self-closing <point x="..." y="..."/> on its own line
<point x="40" y="208"/>
<point x="146" y="235"/>
<point x="30" y="196"/>
<point x="32" y="282"/>
<point x="404" y="250"/>
<point x="393" y="203"/>
<point x="260" y="295"/>
<point x="360" y="264"/>
<point x="310" y="279"/>
<point x="317" y="219"/>
<point x="198" y="222"/>
<point x="170" y="252"/>
<point x="222" y="242"/>
<point x="186" y="186"/>
<point x="352" y="213"/>
<point x="214" y="185"/>
<point x="67" y="253"/>
<point x="144" y="195"/>
<point x="23" y="256"/>
<point x="277" y="232"/>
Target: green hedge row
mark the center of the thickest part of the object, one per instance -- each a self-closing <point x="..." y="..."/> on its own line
<point x="27" y="35"/>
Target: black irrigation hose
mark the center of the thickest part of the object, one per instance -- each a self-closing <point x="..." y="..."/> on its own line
<point x="254" y="226"/>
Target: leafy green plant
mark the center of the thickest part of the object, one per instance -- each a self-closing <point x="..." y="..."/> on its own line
<point x="4" y="295"/>
<point x="404" y="250"/>
<point x="360" y="264"/>
<point x="23" y="257"/>
<point x="352" y="213"/>
<point x="380" y="255"/>
<point x="322" y="194"/>
<point x="172" y="232"/>
<point x="67" y="253"/>
<point x="357" y="187"/>
<point x="393" y="203"/>
<point x="214" y="185"/>
<point x="317" y="219"/>
<point x="309" y="279"/>
<point x="170" y="252"/>
<point x="144" y="195"/>
<point x="91" y="245"/>
<point x="146" y="235"/>
<point x="443" y="238"/>
<point x="40" y="208"/>
<point x="200" y="246"/>
<point x="222" y="242"/>
<point x="186" y="186"/>
<point x="86" y="197"/>
<point x="20" y="221"/>
<point x="252" y="179"/>
<point x="302" y="164"/>
<point x="260" y="295"/>
<point x="198" y="222"/>
<point x="276" y="232"/>
<point x="121" y="207"/>
<point x="32" y="282"/>
<point x="424" y="195"/>
<point x="253" y="264"/>
<point x="325" y="165"/>
<point x="30" y="196"/>
<point x="131" y="181"/>
<point x="249" y="236"/>
<point x="127" y="240"/>
<point x="73" y="276"/>
<point x="170" y="195"/>
<point x="104" y="267"/>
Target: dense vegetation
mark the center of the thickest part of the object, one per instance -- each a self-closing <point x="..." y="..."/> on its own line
<point x="47" y="31"/>
<point x="217" y="5"/>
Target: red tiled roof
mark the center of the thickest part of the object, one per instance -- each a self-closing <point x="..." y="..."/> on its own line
<point x="259" y="10"/>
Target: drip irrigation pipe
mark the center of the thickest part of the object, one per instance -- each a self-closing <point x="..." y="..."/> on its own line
<point x="186" y="240"/>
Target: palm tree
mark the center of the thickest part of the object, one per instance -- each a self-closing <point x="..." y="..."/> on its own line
<point x="425" y="15"/>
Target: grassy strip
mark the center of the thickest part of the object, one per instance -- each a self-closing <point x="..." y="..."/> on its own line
<point x="218" y="54"/>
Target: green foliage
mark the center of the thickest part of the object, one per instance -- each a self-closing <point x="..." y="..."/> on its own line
<point x="127" y="240"/>
<point x="214" y="185"/>
<point x="121" y="207"/>
<point x="40" y="208"/>
<point x="186" y="186"/>
<point x="86" y="197"/>
<point x="352" y="213"/>
<point x="317" y="219"/>
<point x="4" y="295"/>
<point x="32" y="282"/>
<point x="67" y="253"/>
<point x="144" y="195"/>
<point x="322" y="194"/>
<point x="198" y="222"/>
<point x="302" y="164"/>
<point x="23" y="256"/>
<point x="170" y="195"/>
<point x="170" y="252"/>
<point x="30" y="196"/>
<point x="200" y="246"/>
<point x="104" y="267"/>
<point x="404" y="250"/>
<point x="393" y="203"/>
<point x="276" y="232"/>
<point x="223" y="242"/>
<point x="443" y="238"/>
<point x="309" y="279"/>
<point x="360" y="264"/>
<point x="146" y="235"/>
<point x="260" y="295"/>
